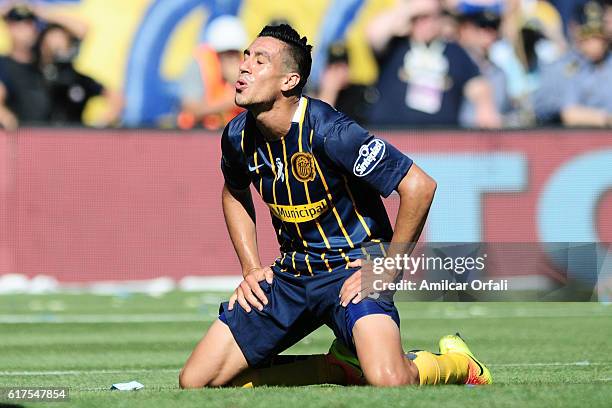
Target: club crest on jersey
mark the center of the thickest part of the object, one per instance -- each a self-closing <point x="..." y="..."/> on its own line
<point x="369" y="156"/>
<point x="303" y="167"/>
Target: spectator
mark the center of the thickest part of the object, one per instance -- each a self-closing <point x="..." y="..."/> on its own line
<point x="336" y="88"/>
<point x="23" y="96"/>
<point x="533" y="32"/>
<point x="478" y="31"/>
<point x="207" y="87"/>
<point x="548" y="98"/>
<point x="588" y="102"/>
<point x="423" y="79"/>
<point x="69" y="90"/>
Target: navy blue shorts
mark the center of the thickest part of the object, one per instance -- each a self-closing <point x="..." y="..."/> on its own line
<point x="298" y="305"/>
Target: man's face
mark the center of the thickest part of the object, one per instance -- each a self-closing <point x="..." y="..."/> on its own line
<point x="426" y="27"/>
<point x="263" y="75"/>
<point x="56" y="43"/>
<point x="23" y="33"/>
<point x="593" y="47"/>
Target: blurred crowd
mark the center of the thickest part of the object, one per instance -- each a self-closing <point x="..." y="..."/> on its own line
<point x="488" y="64"/>
<point x="449" y="63"/>
<point x="38" y="81"/>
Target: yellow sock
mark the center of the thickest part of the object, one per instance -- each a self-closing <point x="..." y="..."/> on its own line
<point x="450" y="368"/>
<point x="304" y="370"/>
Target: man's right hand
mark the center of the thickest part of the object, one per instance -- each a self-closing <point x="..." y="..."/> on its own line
<point x="249" y="293"/>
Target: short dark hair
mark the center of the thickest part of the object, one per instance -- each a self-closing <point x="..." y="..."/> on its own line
<point x="299" y="49"/>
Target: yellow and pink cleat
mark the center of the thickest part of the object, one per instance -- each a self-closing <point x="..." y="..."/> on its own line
<point x="479" y="374"/>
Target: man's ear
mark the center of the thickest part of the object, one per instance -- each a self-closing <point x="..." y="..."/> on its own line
<point x="290" y="81"/>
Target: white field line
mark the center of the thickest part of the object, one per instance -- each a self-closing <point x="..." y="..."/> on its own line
<point x="176" y="370"/>
<point x="552" y="364"/>
<point x="85" y="372"/>
<point x="191" y="317"/>
<point x="98" y="318"/>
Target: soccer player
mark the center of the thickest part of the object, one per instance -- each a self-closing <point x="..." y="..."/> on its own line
<point x="322" y="177"/>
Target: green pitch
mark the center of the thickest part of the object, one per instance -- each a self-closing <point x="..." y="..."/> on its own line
<point x="540" y="354"/>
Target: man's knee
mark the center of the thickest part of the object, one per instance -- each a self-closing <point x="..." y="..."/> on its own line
<point x="188" y="379"/>
<point x="215" y="360"/>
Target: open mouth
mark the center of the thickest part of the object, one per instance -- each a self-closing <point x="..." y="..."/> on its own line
<point x="241" y="85"/>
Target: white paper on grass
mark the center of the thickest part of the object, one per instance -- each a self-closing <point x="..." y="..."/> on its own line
<point x="128" y="386"/>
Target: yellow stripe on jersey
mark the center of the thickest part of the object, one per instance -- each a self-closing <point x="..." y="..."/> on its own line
<point x="329" y="196"/>
<point x="318" y="224"/>
<point x="293" y="260"/>
<point x="301" y="122"/>
<point x="242" y="141"/>
<point x="329" y="269"/>
<point x="301" y="129"/>
<point x="286" y="172"/>
<point x="255" y="162"/>
<point x="365" y="253"/>
<point x="297" y="227"/>
<point x="273" y="172"/>
<point x="346" y="258"/>
<point x="382" y="247"/>
<point x="363" y="223"/>
<point x="308" y="265"/>
<point x="274" y="181"/>
<point x="257" y="171"/>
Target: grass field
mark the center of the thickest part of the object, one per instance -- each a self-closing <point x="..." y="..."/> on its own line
<point x="540" y="354"/>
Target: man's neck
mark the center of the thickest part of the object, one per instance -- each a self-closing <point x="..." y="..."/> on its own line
<point x="275" y="122"/>
<point x="21" y="55"/>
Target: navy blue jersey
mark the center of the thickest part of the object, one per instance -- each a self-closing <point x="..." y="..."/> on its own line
<point x="322" y="183"/>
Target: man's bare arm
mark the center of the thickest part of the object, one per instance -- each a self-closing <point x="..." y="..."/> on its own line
<point x="239" y="213"/>
<point x="585" y="116"/>
<point x="416" y="191"/>
<point x="391" y="23"/>
<point x="480" y="92"/>
<point x="75" y="26"/>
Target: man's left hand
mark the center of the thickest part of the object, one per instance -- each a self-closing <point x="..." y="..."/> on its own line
<point x="351" y="289"/>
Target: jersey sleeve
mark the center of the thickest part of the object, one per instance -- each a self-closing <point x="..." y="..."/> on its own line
<point x="365" y="157"/>
<point x="234" y="170"/>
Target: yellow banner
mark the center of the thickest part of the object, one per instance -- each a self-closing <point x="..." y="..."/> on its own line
<point x="299" y="213"/>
